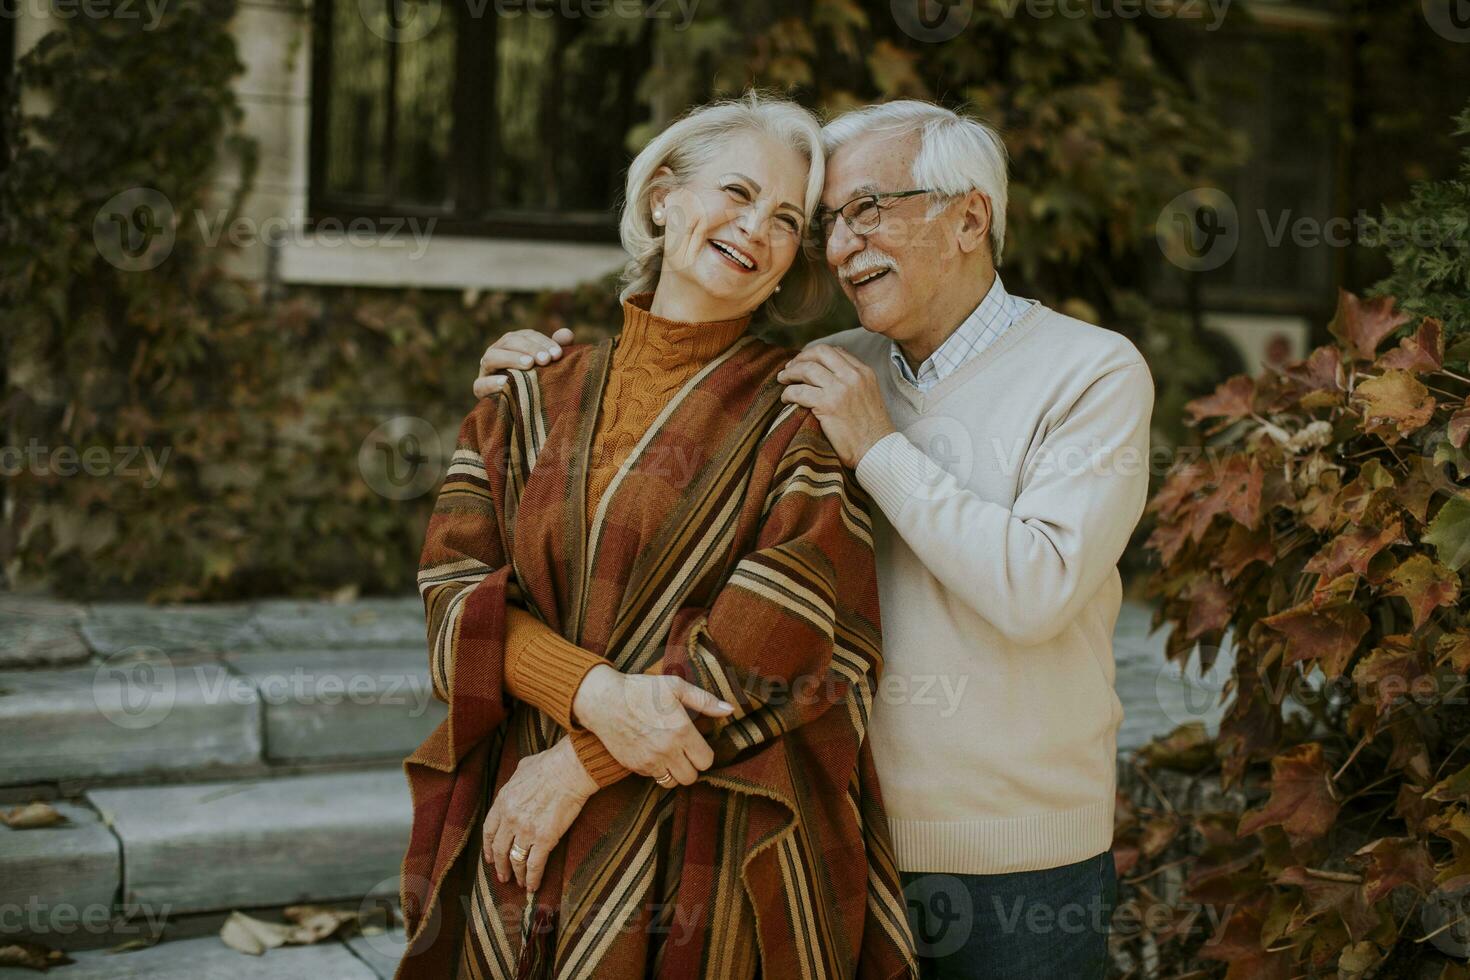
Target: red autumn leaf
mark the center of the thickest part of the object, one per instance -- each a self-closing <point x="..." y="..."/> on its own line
<point x="1237" y="490"/>
<point x="1335" y="591"/>
<point x="1390" y="671"/>
<point x="1425" y="585"/>
<point x="1237" y="941"/>
<point x="1233" y="400"/>
<point x="1210" y="607"/>
<point x="1392" y="863"/>
<point x="1167" y="539"/>
<point x="1321" y="896"/>
<point x="1459" y="428"/>
<point x="1394" y="405"/>
<point x="1321" y="371"/>
<point x="1222" y="879"/>
<point x="1361" y="326"/>
<point x="1180" y="486"/>
<point x="1158" y="834"/>
<point x="1366" y="492"/>
<point x="1327" y="636"/>
<point x="1419" y="486"/>
<point x="1420" y="353"/>
<point x="1242" y="547"/>
<point x="1352" y="550"/>
<point x="1301" y="802"/>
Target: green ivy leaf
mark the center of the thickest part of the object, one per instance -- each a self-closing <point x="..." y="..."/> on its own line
<point x="1449" y="532"/>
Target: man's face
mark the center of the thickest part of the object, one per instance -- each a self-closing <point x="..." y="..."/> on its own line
<point x="892" y="273"/>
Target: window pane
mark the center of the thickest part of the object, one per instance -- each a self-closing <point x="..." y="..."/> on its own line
<point x="357" y="110"/>
<point x="565" y="100"/>
<point x="526" y="69"/>
<point x="425" y="116"/>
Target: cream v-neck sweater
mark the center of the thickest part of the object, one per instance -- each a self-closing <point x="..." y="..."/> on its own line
<point x="1006" y="497"/>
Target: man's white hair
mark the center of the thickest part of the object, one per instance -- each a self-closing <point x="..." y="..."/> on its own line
<point x="957" y="153"/>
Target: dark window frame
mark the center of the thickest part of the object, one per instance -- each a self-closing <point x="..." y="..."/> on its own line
<point x="1228" y="294"/>
<point x="472" y="149"/>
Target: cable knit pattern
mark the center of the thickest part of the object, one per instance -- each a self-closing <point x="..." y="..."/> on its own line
<point x="652" y="359"/>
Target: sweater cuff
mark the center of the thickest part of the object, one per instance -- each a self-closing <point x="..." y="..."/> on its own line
<point x="596" y="759"/>
<point x="893" y="471"/>
<point x="544" y="668"/>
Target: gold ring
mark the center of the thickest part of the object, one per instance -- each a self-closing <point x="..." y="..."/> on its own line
<point x="665" y="779"/>
<point x="517" y="854"/>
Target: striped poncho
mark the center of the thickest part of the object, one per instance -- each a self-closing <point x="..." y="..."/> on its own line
<point x="731" y="549"/>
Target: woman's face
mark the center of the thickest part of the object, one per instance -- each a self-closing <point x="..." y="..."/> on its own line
<point x="734" y="227"/>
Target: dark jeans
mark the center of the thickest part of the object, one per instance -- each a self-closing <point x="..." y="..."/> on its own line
<point x="1021" y="926"/>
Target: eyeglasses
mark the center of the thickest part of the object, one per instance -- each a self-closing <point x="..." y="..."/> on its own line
<point x="862" y="214"/>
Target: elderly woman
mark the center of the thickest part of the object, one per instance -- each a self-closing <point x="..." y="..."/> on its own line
<point x="640" y="530"/>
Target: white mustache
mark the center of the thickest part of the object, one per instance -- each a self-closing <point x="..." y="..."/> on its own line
<point x="868" y="260"/>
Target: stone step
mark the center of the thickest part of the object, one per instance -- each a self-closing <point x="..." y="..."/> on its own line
<point x="116" y="627"/>
<point x="342" y="704"/>
<point x="60" y="882"/>
<point x="39" y="632"/>
<point x="129" y="716"/>
<point x="127" y="862"/>
<point x="156" y="714"/>
<point x="208" y="958"/>
<point x="223" y="845"/>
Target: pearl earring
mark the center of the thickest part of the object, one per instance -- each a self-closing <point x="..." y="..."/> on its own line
<point x="777" y="289"/>
<point x="658" y="215"/>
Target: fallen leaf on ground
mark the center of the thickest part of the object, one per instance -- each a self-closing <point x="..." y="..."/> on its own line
<point x="248" y="934"/>
<point x="307" y="925"/>
<point x="31" y="816"/>
<point x="32" y="956"/>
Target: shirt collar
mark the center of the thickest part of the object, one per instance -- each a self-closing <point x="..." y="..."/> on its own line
<point x="986" y="322"/>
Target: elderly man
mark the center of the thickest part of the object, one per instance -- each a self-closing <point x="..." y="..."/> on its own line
<point x="1005" y="447"/>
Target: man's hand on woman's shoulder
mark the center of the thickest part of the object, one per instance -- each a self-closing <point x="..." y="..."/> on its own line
<point x="517" y="349"/>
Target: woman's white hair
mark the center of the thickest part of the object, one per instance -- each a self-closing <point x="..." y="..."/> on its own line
<point x="684" y="147"/>
<point x="957" y="153"/>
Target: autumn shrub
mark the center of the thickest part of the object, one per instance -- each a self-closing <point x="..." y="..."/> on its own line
<point x="1321" y="533"/>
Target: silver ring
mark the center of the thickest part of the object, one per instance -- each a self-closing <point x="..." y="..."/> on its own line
<point x="665" y="779"/>
<point x="517" y="854"/>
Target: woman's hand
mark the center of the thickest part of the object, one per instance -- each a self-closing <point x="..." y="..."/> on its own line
<point x="517" y="349"/>
<point x="643" y="720"/>
<point x="533" y="810"/>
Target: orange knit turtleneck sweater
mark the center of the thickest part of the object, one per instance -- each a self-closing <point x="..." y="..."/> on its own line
<point x="652" y="359"/>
